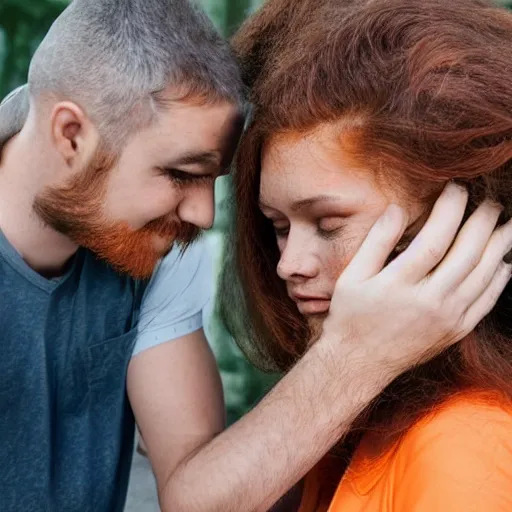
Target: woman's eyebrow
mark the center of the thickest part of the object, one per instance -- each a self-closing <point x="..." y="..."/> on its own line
<point x="311" y="201"/>
<point x="306" y="203"/>
<point x="263" y="206"/>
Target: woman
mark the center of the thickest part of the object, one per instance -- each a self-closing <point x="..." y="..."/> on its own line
<point x="359" y="104"/>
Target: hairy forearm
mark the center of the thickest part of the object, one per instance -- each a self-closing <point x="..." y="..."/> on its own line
<point x="254" y="462"/>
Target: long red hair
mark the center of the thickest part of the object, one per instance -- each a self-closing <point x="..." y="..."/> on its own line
<point x="426" y="89"/>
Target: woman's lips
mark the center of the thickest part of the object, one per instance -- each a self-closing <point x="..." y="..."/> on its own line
<point x="313" y="306"/>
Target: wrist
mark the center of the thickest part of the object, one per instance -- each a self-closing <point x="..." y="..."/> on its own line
<point x="355" y="366"/>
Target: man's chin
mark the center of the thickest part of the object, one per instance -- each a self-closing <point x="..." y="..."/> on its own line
<point x="138" y="264"/>
<point x="162" y="245"/>
<point x="129" y="252"/>
<point x="143" y="266"/>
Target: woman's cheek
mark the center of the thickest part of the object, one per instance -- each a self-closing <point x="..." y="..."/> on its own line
<point x="337" y="257"/>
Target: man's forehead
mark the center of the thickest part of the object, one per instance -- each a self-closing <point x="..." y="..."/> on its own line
<point x="212" y="138"/>
<point x="208" y="120"/>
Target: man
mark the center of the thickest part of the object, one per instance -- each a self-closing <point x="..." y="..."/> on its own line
<point x="135" y="108"/>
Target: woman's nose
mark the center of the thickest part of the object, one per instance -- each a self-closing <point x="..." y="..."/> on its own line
<point x="297" y="258"/>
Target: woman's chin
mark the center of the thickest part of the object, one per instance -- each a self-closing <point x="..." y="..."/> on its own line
<point x="315" y="324"/>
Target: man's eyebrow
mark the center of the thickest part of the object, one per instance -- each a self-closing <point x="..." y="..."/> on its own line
<point x="204" y="158"/>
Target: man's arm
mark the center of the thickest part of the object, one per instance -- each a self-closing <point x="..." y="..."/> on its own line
<point x="254" y="462"/>
<point x="382" y="321"/>
<point x="176" y="394"/>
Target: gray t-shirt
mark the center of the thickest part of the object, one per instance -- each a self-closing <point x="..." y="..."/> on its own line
<point x="65" y="422"/>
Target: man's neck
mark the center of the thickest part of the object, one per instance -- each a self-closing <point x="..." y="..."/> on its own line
<point x="42" y="248"/>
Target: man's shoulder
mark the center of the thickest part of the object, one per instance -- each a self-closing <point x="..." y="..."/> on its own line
<point x="175" y="300"/>
<point x="182" y="261"/>
<point x="183" y="270"/>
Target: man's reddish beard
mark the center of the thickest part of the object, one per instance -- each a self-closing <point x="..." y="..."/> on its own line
<point x="77" y="211"/>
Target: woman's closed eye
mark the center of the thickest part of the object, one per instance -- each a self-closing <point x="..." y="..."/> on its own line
<point x="326" y="227"/>
<point x="281" y="230"/>
<point x="330" y="226"/>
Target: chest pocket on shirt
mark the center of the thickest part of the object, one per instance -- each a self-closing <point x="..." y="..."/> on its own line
<point x="97" y="376"/>
<point x="108" y="362"/>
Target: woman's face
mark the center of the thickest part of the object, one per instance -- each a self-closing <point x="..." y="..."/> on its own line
<point x="322" y="209"/>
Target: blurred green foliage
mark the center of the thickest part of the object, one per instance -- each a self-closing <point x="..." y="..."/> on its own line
<point x="23" y="24"/>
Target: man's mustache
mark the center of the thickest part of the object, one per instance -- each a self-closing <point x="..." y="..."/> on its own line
<point x="183" y="233"/>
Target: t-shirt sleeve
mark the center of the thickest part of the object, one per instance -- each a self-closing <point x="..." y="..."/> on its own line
<point x="463" y="464"/>
<point x="176" y="296"/>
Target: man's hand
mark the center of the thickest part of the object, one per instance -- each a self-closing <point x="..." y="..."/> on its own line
<point x="420" y="303"/>
<point x="382" y="321"/>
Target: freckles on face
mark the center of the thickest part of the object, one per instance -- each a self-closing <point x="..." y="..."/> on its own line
<point x="320" y="205"/>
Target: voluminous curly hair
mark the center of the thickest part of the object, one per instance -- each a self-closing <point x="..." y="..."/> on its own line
<point x="429" y="83"/>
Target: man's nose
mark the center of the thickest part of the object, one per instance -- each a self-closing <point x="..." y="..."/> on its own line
<point x="198" y="208"/>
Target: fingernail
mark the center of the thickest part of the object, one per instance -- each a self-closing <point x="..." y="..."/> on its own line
<point x="508" y="257"/>
<point x="391" y="212"/>
<point x="457" y="187"/>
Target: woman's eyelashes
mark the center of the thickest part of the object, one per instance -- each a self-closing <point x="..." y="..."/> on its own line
<point x="330" y="227"/>
<point x="281" y="231"/>
<point x="326" y="227"/>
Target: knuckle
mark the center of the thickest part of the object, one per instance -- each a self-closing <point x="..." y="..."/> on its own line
<point x="433" y="306"/>
<point x="449" y="324"/>
<point x="453" y="310"/>
<point x="434" y="253"/>
<point x="445" y="314"/>
<point x="473" y="260"/>
<point x="487" y="276"/>
<point x="502" y="238"/>
<point x="497" y="291"/>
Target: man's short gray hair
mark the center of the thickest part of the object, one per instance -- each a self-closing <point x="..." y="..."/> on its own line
<point x="115" y="58"/>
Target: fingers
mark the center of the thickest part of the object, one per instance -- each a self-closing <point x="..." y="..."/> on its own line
<point x="491" y="261"/>
<point x="487" y="300"/>
<point x="433" y="241"/>
<point x="377" y="246"/>
<point x="467" y="251"/>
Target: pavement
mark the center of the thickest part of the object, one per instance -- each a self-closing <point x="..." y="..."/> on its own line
<point x="142" y="495"/>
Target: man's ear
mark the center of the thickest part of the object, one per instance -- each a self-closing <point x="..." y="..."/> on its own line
<point x="74" y="135"/>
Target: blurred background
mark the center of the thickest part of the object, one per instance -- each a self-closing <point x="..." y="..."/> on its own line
<point x="23" y="23"/>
